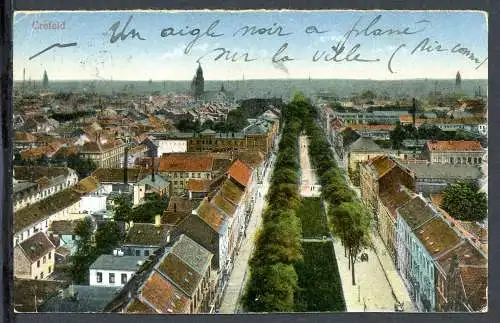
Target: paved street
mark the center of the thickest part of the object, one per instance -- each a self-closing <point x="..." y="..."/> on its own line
<point x="309" y="185"/>
<point x="237" y="280"/>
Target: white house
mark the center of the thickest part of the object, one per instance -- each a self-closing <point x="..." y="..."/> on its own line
<point x="35" y="183"/>
<point x="37" y="217"/>
<point x="114" y="270"/>
<point x="171" y="146"/>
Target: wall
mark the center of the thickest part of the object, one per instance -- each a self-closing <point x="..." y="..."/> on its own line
<point x="45" y="268"/>
<point x="22" y="268"/>
<point x="171" y="146"/>
<point x="105" y="277"/>
<point x="93" y="203"/>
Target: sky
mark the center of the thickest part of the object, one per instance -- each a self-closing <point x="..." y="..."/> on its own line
<point x="375" y="36"/>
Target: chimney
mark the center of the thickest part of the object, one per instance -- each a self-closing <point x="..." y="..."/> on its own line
<point x="157" y="220"/>
<point x="168" y="237"/>
<point x="125" y="167"/>
<point x="131" y="224"/>
<point x="153" y="169"/>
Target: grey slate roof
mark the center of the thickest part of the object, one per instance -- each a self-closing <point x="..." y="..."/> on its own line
<point x="445" y="171"/>
<point x="193" y="254"/>
<point x="416" y="212"/>
<point x="86" y="299"/>
<point x="159" y="182"/>
<point x="364" y="144"/>
<point x="111" y="262"/>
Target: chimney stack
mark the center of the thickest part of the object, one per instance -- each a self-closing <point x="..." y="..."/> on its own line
<point x="153" y="169"/>
<point x="157" y="220"/>
<point x="125" y="167"/>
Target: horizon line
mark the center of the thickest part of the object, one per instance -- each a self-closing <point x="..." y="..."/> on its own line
<point x="249" y="79"/>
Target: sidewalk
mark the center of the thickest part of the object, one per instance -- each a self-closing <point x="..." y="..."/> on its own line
<point x="398" y="288"/>
<point x="237" y="279"/>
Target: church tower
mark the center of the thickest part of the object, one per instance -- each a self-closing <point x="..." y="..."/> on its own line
<point x="198" y="84"/>
<point x="458" y="81"/>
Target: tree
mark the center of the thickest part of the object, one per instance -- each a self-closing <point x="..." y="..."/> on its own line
<point x="285" y="175"/>
<point x="279" y="241"/>
<point x="84" y="167"/>
<point x="85" y="251"/>
<point x="107" y="237"/>
<point x="397" y="136"/>
<point x="208" y="124"/>
<point x="464" y="201"/>
<point x="351" y="223"/>
<point x="271" y="289"/>
<point x="122" y="207"/>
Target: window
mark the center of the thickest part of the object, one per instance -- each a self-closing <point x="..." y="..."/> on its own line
<point x="137" y="252"/>
<point x="38" y="264"/>
<point x="44" y="259"/>
<point x="124" y="278"/>
<point x="146" y="253"/>
<point x="111" y="278"/>
<point x="50" y="269"/>
<point x="41" y="275"/>
<point x="99" y="277"/>
<point x="36" y="277"/>
<point x="72" y="237"/>
<point x="50" y="255"/>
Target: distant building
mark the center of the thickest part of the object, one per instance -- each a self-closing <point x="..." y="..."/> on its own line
<point x="458" y="82"/>
<point x="198" y="84"/>
<point x="45" y="82"/>
<point x="466" y="152"/>
<point x="105" y="153"/>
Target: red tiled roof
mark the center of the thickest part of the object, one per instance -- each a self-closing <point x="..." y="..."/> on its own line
<point x="240" y="172"/>
<point x="437" y="237"/>
<point x="475" y="281"/>
<point x="381" y="164"/>
<point x="198" y="185"/>
<point x="208" y="213"/>
<point x="186" y="163"/>
<point x="36" y="246"/>
<point x="454" y="145"/>
<point x="163" y="296"/>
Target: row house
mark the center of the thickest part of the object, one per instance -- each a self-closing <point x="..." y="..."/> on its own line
<point x="38" y="216"/>
<point x="362" y="150"/>
<point x="441" y="268"/>
<point x="135" y="153"/>
<point x="467" y="152"/>
<point x="143" y="239"/>
<point x="462" y="280"/>
<point x="180" y="280"/>
<point x="471" y="124"/>
<point x="119" y="180"/>
<point x="181" y="167"/>
<point x="433" y="178"/>
<point x="379" y="174"/>
<point x="210" y="228"/>
<point x="106" y="153"/>
<point x="34" y="257"/>
<point x="376" y="131"/>
<point x="413" y="262"/>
